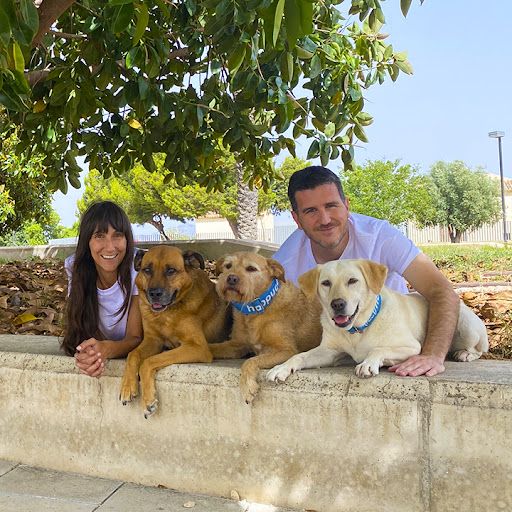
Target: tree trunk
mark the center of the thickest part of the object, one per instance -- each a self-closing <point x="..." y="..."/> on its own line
<point x="247" y="206"/>
<point x="455" y="235"/>
<point x="49" y="12"/>
<point x="159" y="225"/>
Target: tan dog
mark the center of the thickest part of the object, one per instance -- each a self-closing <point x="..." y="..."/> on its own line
<point x="282" y="323"/>
<point x="180" y="311"/>
<point x="348" y="291"/>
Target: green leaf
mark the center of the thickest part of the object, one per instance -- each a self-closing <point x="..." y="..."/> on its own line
<point x="306" y="17"/>
<point x="121" y="17"/>
<point x="278" y="19"/>
<point x="316" y="66"/>
<point x="20" y="82"/>
<point x="292" y="22"/>
<point x="119" y="2"/>
<point x="236" y="58"/>
<point x="30" y="15"/>
<point x="355" y="95"/>
<point x="143" y="88"/>
<point x="142" y="23"/>
<point x="388" y="52"/>
<point x="364" y="119"/>
<point x="303" y="54"/>
<point x="135" y="57"/>
<point x="400" y="56"/>
<point x="405" y="66"/>
<point x="10" y="100"/>
<point x="404" y="5"/>
<point x="313" y="149"/>
<point x="360" y="133"/>
<point x="5" y="27"/>
<point x="17" y="56"/>
<point x="330" y="129"/>
<point x="153" y="65"/>
<point x="286" y="66"/>
<point x="346" y="157"/>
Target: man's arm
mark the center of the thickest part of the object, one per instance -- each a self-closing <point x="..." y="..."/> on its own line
<point x="443" y="313"/>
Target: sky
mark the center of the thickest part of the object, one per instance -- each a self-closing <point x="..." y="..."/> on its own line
<point x="460" y="91"/>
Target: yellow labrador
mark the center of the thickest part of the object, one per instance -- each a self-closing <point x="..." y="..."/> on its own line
<point x="376" y="326"/>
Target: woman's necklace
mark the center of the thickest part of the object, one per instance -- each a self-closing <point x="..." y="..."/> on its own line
<point x="102" y="285"/>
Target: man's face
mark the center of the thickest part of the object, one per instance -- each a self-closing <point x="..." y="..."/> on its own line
<point x="323" y="215"/>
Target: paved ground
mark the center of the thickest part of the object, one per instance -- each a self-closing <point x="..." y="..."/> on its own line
<point x="30" y="489"/>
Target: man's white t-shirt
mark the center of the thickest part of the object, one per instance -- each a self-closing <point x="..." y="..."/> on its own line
<point x="369" y="238"/>
<point x="109" y="302"/>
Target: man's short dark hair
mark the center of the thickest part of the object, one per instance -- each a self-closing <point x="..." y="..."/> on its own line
<point x="310" y="178"/>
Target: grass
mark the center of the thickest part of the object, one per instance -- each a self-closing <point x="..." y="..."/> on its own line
<point x="469" y="262"/>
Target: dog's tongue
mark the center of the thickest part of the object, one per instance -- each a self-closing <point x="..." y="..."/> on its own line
<point x="157" y="306"/>
<point x="340" y="319"/>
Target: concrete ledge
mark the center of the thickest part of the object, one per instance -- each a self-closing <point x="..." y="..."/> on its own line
<point x="210" y="249"/>
<point x="325" y="440"/>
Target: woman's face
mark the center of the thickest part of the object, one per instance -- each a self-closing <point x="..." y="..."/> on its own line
<point x="108" y="249"/>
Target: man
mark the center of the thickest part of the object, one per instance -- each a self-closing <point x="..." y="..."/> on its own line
<point x="327" y="231"/>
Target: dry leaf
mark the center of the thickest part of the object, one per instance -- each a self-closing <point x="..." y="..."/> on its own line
<point x="23" y="319"/>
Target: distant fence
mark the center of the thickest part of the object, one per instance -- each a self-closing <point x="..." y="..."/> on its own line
<point x="438" y="234"/>
<point x="277" y="235"/>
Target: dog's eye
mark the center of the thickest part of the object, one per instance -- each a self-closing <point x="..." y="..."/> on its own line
<point x="170" y="271"/>
<point x="227" y="266"/>
<point x="251" y="269"/>
<point x="326" y="283"/>
<point x="147" y="270"/>
<point x="352" y="280"/>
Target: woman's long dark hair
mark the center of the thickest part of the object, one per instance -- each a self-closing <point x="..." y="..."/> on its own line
<point x="82" y="312"/>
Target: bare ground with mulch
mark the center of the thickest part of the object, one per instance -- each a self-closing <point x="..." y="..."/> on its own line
<point x="33" y="295"/>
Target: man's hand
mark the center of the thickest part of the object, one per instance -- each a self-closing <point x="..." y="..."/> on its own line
<point x="419" y="365"/>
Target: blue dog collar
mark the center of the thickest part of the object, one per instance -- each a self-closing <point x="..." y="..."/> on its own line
<point x="258" y="305"/>
<point x="375" y="312"/>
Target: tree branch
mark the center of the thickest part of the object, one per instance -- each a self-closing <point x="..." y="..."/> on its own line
<point x="63" y="35"/>
<point x="49" y="13"/>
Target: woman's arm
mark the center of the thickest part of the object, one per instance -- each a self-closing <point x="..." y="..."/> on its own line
<point x="92" y="354"/>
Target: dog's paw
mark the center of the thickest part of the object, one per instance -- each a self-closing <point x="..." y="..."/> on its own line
<point x="128" y="392"/>
<point x="249" y="390"/>
<point x="279" y="373"/>
<point x="465" y="356"/>
<point x="149" y="409"/>
<point x="367" y="369"/>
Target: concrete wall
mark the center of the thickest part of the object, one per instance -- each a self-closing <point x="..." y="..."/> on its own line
<point x="210" y="249"/>
<point x="325" y="441"/>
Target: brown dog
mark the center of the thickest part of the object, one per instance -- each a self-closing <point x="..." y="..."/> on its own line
<point x="280" y="324"/>
<point x="180" y="311"/>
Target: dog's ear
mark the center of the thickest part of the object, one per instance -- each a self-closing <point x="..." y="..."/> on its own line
<point x="218" y="265"/>
<point x="193" y="259"/>
<point x="308" y="282"/>
<point x="277" y="269"/>
<point x="137" y="261"/>
<point x="374" y="273"/>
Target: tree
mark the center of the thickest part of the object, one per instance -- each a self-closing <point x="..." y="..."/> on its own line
<point x="33" y="233"/>
<point x="24" y="192"/>
<point x="146" y="197"/>
<point x="387" y="190"/>
<point x="120" y="81"/>
<point x="463" y="198"/>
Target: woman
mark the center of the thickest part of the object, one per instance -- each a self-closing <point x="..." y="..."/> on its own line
<point x="103" y="319"/>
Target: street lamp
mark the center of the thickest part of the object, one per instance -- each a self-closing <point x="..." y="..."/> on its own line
<point x="499" y="135"/>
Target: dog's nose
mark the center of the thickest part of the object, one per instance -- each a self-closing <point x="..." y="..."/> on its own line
<point x="232" y="279"/>
<point x="155" y="294"/>
<point x="338" y="304"/>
